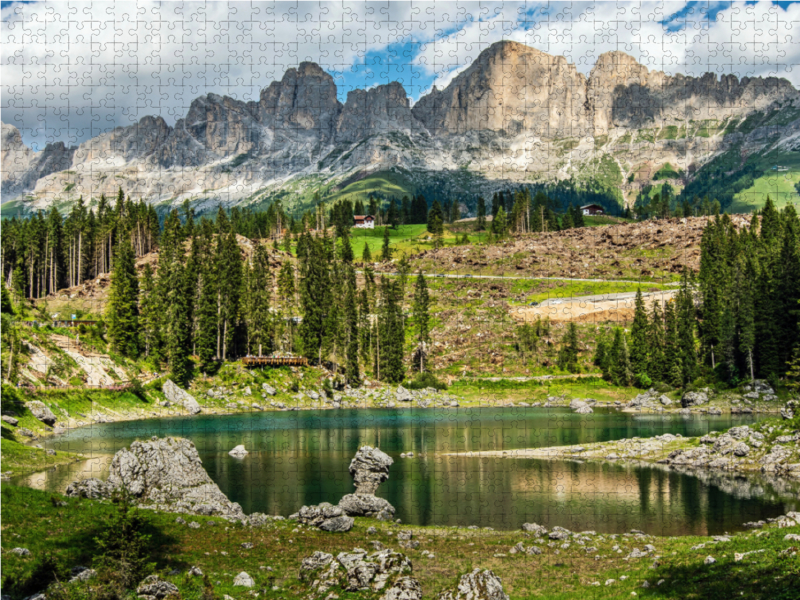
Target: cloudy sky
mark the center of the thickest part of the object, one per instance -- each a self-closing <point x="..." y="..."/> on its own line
<point x="71" y="70"/>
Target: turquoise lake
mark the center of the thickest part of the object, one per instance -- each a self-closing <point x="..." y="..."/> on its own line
<point x="302" y="457"/>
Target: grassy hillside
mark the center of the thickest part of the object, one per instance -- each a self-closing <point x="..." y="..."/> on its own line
<point x="60" y="534"/>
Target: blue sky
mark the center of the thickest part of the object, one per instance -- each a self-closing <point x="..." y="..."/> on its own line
<point x="72" y="70"/>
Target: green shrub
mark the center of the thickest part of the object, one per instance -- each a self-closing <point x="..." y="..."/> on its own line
<point x="643" y="381"/>
<point x="426" y="380"/>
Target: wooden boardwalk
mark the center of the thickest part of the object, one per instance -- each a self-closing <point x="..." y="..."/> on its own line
<point x="268" y="361"/>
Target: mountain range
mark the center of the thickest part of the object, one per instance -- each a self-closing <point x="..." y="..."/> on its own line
<point x="515" y="115"/>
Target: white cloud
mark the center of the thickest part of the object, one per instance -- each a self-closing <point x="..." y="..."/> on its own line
<point x="71" y="70"/>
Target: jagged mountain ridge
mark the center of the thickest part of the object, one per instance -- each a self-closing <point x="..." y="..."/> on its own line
<point x="515" y="114"/>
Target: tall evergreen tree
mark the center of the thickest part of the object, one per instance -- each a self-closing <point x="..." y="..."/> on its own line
<point x="421" y="307"/>
<point x="150" y="315"/>
<point x="258" y="317"/>
<point x="568" y="355"/>
<point x="391" y="333"/>
<point x="123" y="303"/>
<point x="386" y="250"/>
<point x="352" y="371"/>
<point x="640" y="329"/>
<point x="481" y="220"/>
<point x="366" y="255"/>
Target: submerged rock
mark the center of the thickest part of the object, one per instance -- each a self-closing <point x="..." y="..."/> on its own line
<point x="239" y="451"/>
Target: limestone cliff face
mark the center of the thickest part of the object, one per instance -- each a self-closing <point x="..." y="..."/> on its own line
<point x="515" y="111"/>
<point x="379" y="110"/>
<point x="510" y="88"/>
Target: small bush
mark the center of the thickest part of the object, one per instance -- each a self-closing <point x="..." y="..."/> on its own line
<point x="426" y="380"/>
<point x="643" y="381"/>
<point x="663" y="387"/>
<point x="156" y="384"/>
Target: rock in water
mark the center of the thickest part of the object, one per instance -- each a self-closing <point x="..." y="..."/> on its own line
<point x="369" y="468"/>
<point x="584" y="410"/>
<point x="358" y="505"/>
<point x="41" y="412"/>
<point x="92" y="488"/>
<point x="154" y="588"/>
<point x="180" y="396"/>
<point x="478" y="585"/>
<point x="239" y="451"/>
<point x="167" y="474"/>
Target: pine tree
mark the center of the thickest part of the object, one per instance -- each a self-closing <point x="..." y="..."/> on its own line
<point x="315" y="299"/>
<point x="366" y="255"/>
<point x="639" y="333"/>
<point x="620" y="364"/>
<point x="391" y="333"/>
<point x="436" y="219"/>
<point x="568" y="355"/>
<point x="123" y="306"/>
<point x="6" y="306"/>
<point x="656" y="364"/>
<point x="499" y="223"/>
<point x="421" y="316"/>
<point x="150" y="315"/>
<point x="347" y="249"/>
<point x="258" y="319"/>
<point x="481" y="221"/>
<point x="352" y="372"/>
<point x="228" y="262"/>
<point x="386" y="251"/>
<point x="602" y="352"/>
<point x="686" y="323"/>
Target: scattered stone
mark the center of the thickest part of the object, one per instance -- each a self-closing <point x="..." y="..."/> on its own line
<point x="584" y="410"/>
<point x="268" y="389"/>
<point x="405" y="588"/>
<point x="10" y="420"/>
<point x="559" y="533"/>
<point x="710" y="560"/>
<point x="41" y="412"/>
<point x="194" y="525"/>
<point x="372" y="531"/>
<point x="791" y="537"/>
<point x="91" y="488"/>
<point x="247" y="545"/>
<point x="82" y="574"/>
<point x="530" y="550"/>
<point x="180" y="521"/>
<point x="195" y="572"/>
<point x="337" y="524"/>
<point x="694" y="399"/>
<point x="534" y="528"/>
<point x="403" y="395"/>
<point x="478" y="585"/>
<point x="354" y="571"/>
<point x="243" y="580"/>
<point x="665" y="401"/>
<point x="175" y="394"/>
<point x="239" y="451"/>
<point x="21" y="552"/>
<point x="155" y="588"/>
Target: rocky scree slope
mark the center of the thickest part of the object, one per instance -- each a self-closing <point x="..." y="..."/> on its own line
<point x="513" y="112"/>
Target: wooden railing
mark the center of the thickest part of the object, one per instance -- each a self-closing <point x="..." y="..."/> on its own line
<point x="269" y="361"/>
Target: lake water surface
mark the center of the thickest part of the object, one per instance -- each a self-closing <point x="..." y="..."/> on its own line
<point x="302" y="457"/>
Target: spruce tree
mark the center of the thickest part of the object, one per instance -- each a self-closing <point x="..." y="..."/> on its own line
<point x="656" y="363"/>
<point x="391" y="333"/>
<point x="481" y="220"/>
<point x="421" y="315"/>
<point x="436" y="218"/>
<point x="620" y="364"/>
<point x="315" y="298"/>
<point x="602" y="353"/>
<point x="6" y="306"/>
<point x="639" y="333"/>
<point x="123" y="302"/>
<point x="352" y="372"/>
<point x="386" y="251"/>
<point x="258" y="317"/>
<point x="568" y="355"/>
<point x="228" y="263"/>
<point x="366" y="255"/>
<point x="499" y="223"/>
<point x="347" y="249"/>
<point x="150" y="315"/>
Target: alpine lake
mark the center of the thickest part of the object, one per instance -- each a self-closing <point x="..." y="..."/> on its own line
<point x="302" y="457"/>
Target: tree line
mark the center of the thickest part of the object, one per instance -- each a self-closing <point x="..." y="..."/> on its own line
<point x="215" y="297"/>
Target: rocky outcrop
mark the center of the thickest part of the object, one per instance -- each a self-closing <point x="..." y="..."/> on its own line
<point x="364" y="505"/>
<point x="179" y="396"/>
<point x="369" y="468"/>
<point x="359" y="571"/>
<point x="381" y="109"/>
<point x="163" y="474"/>
<point x="326" y="517"/>
<point x="91" y="488"/>
<point x="477" y="585"/>
<point x="155" y="588"/>
<point x="42" y="412"/>
<point x="239" y="451"/>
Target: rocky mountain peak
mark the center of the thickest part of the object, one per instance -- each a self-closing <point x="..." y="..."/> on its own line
<point x="380" y="109"/>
